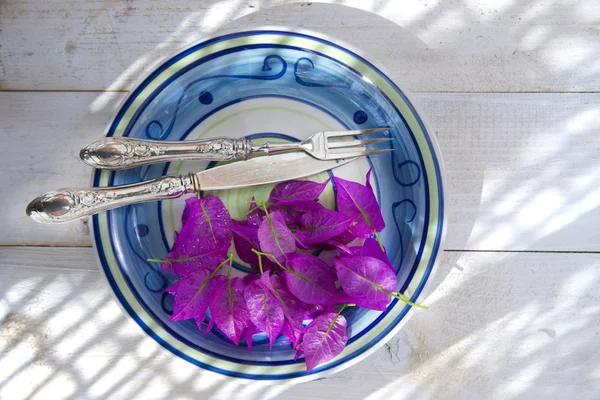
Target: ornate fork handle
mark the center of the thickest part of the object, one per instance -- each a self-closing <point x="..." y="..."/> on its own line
<point x="68" y="204"/>
<point x="120" y="153"/>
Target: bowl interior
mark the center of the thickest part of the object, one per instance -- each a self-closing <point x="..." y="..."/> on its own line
<point x="267" y="91"/>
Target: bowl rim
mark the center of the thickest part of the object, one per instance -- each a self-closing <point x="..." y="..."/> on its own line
<point x="432" y="141"/>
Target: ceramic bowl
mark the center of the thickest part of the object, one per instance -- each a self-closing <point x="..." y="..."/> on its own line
<point x="276" y="85"/>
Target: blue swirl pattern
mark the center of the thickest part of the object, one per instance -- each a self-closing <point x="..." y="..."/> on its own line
<point x="316" y="81"/>
<point x="155" y="130"/>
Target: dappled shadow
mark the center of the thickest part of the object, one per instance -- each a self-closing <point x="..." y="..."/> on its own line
<point x="63" y="332"/>
<point x="506" y="325"/>
<point x="538" y="343"/>
<point x="464" y="46"/>
<point x="521" y="169"/>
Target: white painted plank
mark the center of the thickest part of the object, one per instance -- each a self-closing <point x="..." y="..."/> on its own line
<point x="521" y="168"/>
<point x="40" y="138"/>
<point x="501" y="325"/>
<point x="454" y="45"/>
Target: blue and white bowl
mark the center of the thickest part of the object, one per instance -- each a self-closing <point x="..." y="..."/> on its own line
<point x="275" y="85"/>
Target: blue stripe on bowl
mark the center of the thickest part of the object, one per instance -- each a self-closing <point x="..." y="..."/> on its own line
<point x="417" y="291"/>
<point x="159" y="205"/>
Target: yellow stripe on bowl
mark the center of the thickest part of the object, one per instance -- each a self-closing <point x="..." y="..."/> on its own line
<point x="395" y="98"/>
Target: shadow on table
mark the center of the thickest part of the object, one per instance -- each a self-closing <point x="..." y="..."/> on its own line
<point x="65" y="335"/>
<point x="466" y="283"/>
<point x="501" y="325"/>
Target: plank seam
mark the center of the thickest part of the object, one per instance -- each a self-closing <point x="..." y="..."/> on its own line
<point x="525" y="251"/>
<point x="412" y="91"/>
<point x="85" y="246"/>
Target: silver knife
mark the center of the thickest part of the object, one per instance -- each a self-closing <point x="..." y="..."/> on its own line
<point x="69" y="204"/>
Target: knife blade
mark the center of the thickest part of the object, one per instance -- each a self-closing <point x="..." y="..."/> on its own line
<point x="263" y="170"/>
<point x="65" y="205"/>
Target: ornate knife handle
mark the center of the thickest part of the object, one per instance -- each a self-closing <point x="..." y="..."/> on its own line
<point x="121" y="153"/>
<point x="69" y="204"/>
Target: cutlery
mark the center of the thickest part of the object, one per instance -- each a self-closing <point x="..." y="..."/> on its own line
<point x="65" y="205"/>
<point x="123" y="152"/>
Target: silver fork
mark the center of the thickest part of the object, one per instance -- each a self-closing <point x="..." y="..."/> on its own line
<point x="120" y="153"/>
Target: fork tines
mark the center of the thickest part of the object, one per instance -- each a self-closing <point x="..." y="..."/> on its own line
<point x="358" y="153"/>
<point x="354" y="143"/>
<point x="357" y="132"/>
<point x="353" y="148"/>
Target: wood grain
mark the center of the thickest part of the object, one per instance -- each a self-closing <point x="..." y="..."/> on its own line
<point x="40" y="138"/>
<point x="451" y="45"/>
<point x="521" y="169"/>
<point x="501" y="325"/>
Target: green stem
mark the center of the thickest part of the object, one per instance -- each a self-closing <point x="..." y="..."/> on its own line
<point x="271" y="256"/>
<point x="263" y="205"/>
<point x="286" y="269"/>
<point x="259" y="204"/>
<point x="379" y="241"/>
<point x="230" y="260"/>
<point x="330" y="327"/>
<point x="251" y="210"/>
<point x="177" y="259"/>
<point x="215" y="271"/>
<point x="396" y="295"/>
<point x="221" y="265"/>
<point x="260" y="267"/>
<point x="229" y="293"/>
<point x="403" y="298"/>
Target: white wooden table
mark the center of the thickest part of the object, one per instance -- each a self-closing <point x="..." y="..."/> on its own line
<point x="510" y="87"/>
